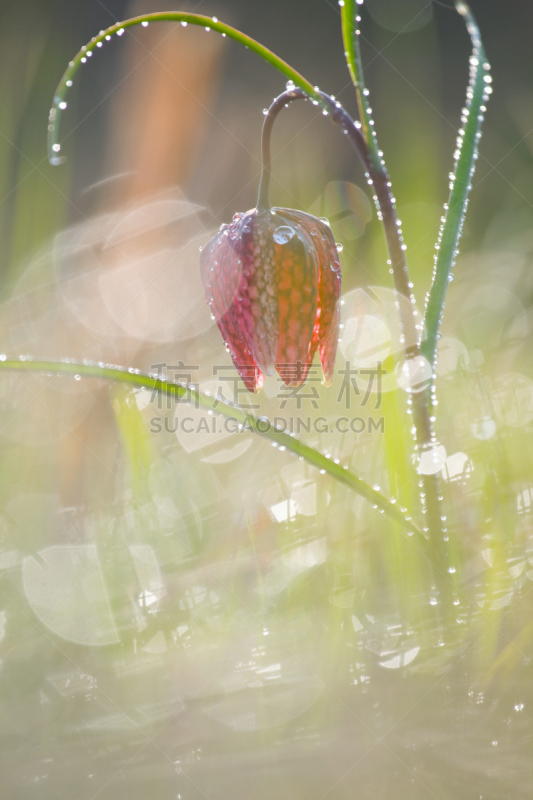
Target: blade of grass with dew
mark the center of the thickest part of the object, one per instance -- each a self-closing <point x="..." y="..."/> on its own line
<point x="136" y="379"/>
<point x="350" y="35"/>
<point x="477" y="94"/>
<point x="209" y="23"/>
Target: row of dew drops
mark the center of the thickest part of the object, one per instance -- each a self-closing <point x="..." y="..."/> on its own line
<point x="85" y="53"/>
<point x="214" y="404"/>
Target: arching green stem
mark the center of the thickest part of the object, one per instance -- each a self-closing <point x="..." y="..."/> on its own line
<point x="261" y="426"/>
<point x="465" y="162"/>
<point x="352" y="53"/>
<point x="212" y="24"/>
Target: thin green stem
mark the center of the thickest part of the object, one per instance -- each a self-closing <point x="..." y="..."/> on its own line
<point x="352" y="52"/>
<point x="411" y="327"/>
<point x="209" y="23"/>
<point x="466" y="155"/>
<point x="245" y="422"/>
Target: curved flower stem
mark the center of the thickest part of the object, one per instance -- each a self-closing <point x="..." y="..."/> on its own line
<point x="209" y="23"/>
<point x="379" y="179"/>
<point x="334" y="109"/>
<point x="246" y="422"/>
<point x="263" y="201"/>
<point x="386" y="209"/>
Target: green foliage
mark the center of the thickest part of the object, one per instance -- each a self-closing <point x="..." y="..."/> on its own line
<point x="465" y="161"/>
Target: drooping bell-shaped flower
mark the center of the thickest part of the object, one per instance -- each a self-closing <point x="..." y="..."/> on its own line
<point x="272" y="279"/>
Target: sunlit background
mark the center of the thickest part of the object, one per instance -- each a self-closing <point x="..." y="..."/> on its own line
<point x="185" y="611"/>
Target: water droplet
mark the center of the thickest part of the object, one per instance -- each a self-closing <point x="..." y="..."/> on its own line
<point x="414" y="374"/>
<point x="430" y="462"/>
<point x="283" y="234"/>
<point x="339" y="247"/>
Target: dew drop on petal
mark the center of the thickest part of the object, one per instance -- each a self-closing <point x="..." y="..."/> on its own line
<point x="283" y="234"/>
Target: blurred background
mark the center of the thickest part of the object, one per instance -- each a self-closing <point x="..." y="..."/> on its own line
<point x="183" y="610"/>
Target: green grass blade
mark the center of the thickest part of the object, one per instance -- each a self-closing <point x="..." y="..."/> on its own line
<point x="136" y="379"/>
<point x="465" y="160"/>
<point x="134" y="434"/>
<point x="350" y="35"/>
<point x="212" y="24"/>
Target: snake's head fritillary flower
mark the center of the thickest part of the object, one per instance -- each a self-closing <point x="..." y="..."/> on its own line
<point x="272" y="279"/>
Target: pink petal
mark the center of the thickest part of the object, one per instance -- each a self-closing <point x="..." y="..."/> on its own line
<point x="225" y="278"/>
<point x="297" y="294"/>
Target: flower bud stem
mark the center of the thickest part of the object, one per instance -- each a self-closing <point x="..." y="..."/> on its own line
<point x="379" y="178"/>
